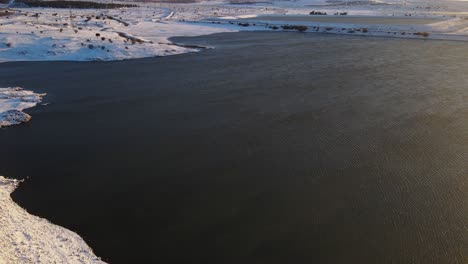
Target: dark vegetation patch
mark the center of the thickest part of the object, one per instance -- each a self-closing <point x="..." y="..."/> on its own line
<point x="318" y="13"/>
<point x="423" y="34"/>
<point x="6" y="12"/>
<point x="294" y="27"/>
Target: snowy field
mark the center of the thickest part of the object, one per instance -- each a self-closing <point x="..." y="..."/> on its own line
<point x="58" y="34"/>
<point x="40" y="34"/>
<point x="37" y="34"/>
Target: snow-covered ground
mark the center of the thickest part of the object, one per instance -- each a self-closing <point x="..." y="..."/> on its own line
<point x="32" y="34"/>
<point x="60" y="34"/>
<point x="12" y="103"/>
<point x="26" y="238"/>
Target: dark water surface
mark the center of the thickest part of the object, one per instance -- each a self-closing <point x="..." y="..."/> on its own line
<point x="271" y="148"/>
<point x="366" y="20"/>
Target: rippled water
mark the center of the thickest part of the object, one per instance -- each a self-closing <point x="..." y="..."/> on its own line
<point x="271" y="148"/>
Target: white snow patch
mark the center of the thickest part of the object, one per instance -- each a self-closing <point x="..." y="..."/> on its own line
<point x="26" y="238"/>
<point x="12" y="103"/>
<point x="170" y="15"/>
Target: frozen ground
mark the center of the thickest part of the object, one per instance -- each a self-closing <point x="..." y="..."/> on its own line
<point x="32" y="34"/>
<point x="26" y="238"/>
<point x="60" y="34"/>
<point x="12" y="103"/>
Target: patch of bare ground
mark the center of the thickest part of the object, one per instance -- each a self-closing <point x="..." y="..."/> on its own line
<point x="6" y="12"/>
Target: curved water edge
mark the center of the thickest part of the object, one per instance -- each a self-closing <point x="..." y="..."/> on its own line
<point x="364" y="123"/>
<point x="25" y="238"/>
<point x="13" y="100"/>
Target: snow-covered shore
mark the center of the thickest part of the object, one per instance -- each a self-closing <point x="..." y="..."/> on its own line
<point x="13" y="101"/>
<point x="25" y="238"/>
<point x="37" y="34"/>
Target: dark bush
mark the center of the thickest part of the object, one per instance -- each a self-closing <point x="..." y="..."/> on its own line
<point x="318" y="13"/>
<point x="423" y="34"/>
<point x="292" y="27"/>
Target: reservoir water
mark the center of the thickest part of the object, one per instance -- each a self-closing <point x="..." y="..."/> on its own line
<point x="270" y="148"/>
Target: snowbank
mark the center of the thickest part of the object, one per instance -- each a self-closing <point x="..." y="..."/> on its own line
<point x="12" y="103"/>
<point x="26" y="238"/>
